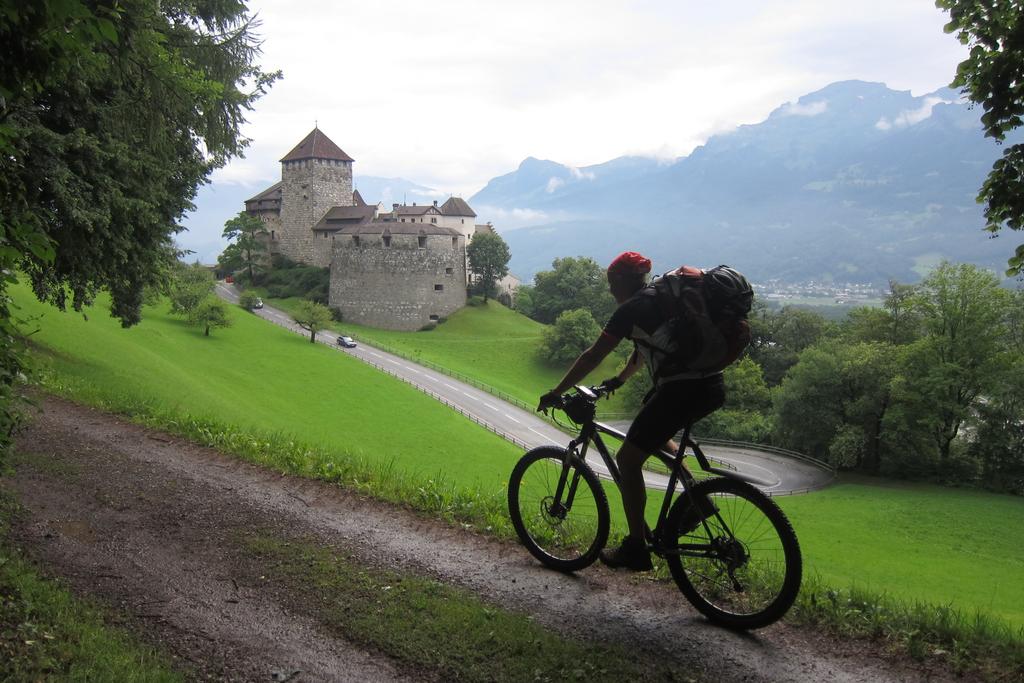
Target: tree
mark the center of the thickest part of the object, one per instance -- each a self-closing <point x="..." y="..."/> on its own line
<point x="112" y="113"/>
<point x="248" y="300"/>
<point x="992" y="76"/>
<point x="779" y="337"/>
<point x="106" y="141"/>
<point x="834" y="402"/>
<point x="312" y="317"/>
<point x="746" y="415"/>
<point x="246" y="231"/>
<point x="523" y="302"/>
<point x="963" y="312"/>
<point x="210" y="312"/>
<point x="998" y="441"/>
<point x="572" y="333"/>
<point x="488" y="261"/>
<point x="574" y="283"/>
<point x="189" y="286"/>
<point x="895" y="323"/>
<point x="230" y="260"/>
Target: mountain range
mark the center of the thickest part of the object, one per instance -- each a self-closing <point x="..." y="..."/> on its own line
<point x="855" y="182"/>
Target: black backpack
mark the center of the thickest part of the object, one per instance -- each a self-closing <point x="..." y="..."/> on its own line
<point x="705" y="326"/>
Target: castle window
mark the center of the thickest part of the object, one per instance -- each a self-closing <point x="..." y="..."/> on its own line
<point x="438" y="288"/>
<point x="463" y="221"/>
<point x="387" y="240"/>
<point x="403" y="220"/>
<point x="449" y="271"/>
<point x="355" y="240"/>
<point x="455" y="243"/>
<point x="434" y="221"/>
<point x="423" y="241"/>
<point x="272" y="235"/>
<point x="435" y="317"/>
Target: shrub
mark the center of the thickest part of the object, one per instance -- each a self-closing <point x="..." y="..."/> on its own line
<point x="247" y="301"/>
<point x="288" y="279"/>
<point x="571" y="334"/>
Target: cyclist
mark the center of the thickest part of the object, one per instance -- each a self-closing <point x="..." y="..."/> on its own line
<point x="675" y="401"/>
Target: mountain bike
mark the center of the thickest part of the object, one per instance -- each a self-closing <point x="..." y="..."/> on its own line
<point x="729" y="547"/>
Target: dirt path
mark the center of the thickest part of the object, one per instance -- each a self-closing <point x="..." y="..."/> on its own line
<point x="139" y="520"/>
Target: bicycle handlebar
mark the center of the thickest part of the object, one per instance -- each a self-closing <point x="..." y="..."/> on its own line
<point x="580" y="405"/>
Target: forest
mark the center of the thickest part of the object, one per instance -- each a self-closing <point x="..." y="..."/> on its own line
<point x="925" y="387"/>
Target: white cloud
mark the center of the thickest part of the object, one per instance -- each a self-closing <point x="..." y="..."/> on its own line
<point x="553" y="184"/>
<point x="452" y="93"/>
<point x="580" y="174"/>
<point x="509" y="219"/>
<point x="911" y="117"/>
<point x="809" y="109"/>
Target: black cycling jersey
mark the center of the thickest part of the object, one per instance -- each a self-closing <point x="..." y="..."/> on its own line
<point x="637" y="317"/>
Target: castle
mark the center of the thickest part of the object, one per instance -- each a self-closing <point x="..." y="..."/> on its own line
<point x="397" y="269"/>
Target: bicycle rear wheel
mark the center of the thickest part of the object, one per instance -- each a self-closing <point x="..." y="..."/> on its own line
<point x="559" y="510"/>
<point x="741" y="566"/>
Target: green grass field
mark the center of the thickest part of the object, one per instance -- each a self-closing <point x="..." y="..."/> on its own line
<point x="257" y="376"/>
<point x="491" y="344"/>
<point x="951" y="547"/>
<point x="964" y="549"/>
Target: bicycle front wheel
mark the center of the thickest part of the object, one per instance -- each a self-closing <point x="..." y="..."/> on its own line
<point x="737" y="561"/>
<point x="558" y="508"/>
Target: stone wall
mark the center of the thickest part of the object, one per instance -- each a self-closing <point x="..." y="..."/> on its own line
<point x="323" y="249"/>
<point x="310" y="187"/>
<point x="398" y="287"/>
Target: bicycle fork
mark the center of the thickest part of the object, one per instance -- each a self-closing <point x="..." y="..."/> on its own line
<point x="558" y="508"/>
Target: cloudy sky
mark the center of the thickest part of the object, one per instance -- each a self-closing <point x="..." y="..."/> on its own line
<point x="451" y="93"/>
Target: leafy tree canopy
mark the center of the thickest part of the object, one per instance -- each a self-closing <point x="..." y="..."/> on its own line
<point x="112" y="112"/>
<point x="189" y="286"/>
<point x="488" y="260"/>
<point x="964" y="314"/>
<point x="572" y="333"/>
<point x="209" y="313"/>
<point x="312" y="317"/>
<point x="245" y="232"/>
<point x="573" y="283"/>
<point x="993" y="76"/>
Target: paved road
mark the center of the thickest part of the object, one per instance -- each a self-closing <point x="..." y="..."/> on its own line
<point x="779" y="474"/>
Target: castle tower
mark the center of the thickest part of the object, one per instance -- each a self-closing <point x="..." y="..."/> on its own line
<point x="315" y="176"/>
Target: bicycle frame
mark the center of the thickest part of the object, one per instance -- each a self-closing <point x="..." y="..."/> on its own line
<point x="590" y="432"/>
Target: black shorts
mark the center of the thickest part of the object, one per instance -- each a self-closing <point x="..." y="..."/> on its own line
<point x="672" y="407"/>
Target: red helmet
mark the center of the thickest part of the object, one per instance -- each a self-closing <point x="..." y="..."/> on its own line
<point x="629" y="263"/>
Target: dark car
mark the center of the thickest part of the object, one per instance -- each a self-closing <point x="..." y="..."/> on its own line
<point x="346" y="342"/>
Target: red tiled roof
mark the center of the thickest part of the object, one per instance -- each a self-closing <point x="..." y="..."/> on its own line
<point x="316" y="145"/>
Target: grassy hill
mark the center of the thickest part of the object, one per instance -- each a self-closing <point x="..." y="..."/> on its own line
<point x="259" y="378"/>
<point x="314" y="411"/>
<point x="489" y="343"/>
<point x="916" y="542"/>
